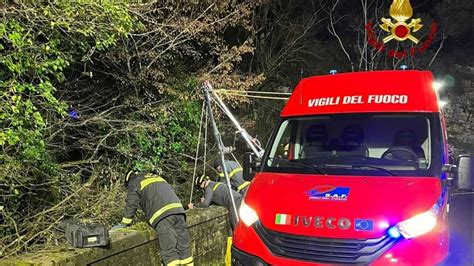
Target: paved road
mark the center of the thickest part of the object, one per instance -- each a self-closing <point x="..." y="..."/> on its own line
<point x="461" y="223"/>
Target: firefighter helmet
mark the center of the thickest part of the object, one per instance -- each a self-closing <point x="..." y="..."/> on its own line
<point x="129" y="175"/>
<point x="201" y="179"/>
<point x="216" y="163"/>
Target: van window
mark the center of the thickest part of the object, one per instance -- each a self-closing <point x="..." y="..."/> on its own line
<point x="281" y="150"/>
<point x="396" y="144"/>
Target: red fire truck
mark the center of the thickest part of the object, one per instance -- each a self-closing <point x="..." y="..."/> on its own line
<point x="357" y="172"/>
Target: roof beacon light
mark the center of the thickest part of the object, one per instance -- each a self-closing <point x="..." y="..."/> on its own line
<point x="437" y="85"/>
<point x="403" y="67"/>
<point x="333" y="71"/>
<point x="442" y="103"/>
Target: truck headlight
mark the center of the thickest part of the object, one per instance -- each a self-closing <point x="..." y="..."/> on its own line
<point x="247" y="214"/>
<point x="417" y="225"/>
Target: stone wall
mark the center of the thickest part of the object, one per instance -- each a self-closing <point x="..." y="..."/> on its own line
<point x="460" y="109"/>
<point x="208" y="228"/>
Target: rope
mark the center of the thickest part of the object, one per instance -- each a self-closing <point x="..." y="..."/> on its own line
<point x="235" y="159"/>
<point x="256" y="92"/>
<point x="205" y="145"/>
<point x="197" y="154"/>
<point x="253" y="96"/>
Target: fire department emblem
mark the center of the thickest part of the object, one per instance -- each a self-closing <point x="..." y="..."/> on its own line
<point x="401" y="11"/>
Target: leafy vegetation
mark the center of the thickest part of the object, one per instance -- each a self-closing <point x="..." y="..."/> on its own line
<point x="90" y="91"/>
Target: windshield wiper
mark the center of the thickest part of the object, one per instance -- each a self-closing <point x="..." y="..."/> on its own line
<point x="314" y="166"/>
<point x="317" y="166"/>
<point x="374" y="167"/>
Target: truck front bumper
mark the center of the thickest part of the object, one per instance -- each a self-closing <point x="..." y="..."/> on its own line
<point x="240" y="258"/>
<point x="429" y="249"/>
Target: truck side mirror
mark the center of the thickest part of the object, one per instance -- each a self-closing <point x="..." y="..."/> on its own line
<point x="465" y="173"/>
<point x="250" y="166"/>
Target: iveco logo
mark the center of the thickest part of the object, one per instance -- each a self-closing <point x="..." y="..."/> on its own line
<point x="332" y="222"/>
<point x="321" y="222"/>
<point x="286" y="219"/>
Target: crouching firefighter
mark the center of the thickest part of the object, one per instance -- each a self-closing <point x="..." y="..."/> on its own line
<point x="234" y="171"/>
<point x="164" y="213"/>
<point x="218" y="193"/>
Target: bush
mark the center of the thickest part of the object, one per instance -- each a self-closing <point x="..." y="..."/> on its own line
<point x="90" y="91"/>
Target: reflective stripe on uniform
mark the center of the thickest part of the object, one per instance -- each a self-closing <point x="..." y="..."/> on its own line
<point x="246" y="183"/>
<point x="128" y="175"/>
<point x="187" y="261"/>
<point x="216" y="186"/>
<point x="148" y="181"/>
<point x="232" y="173"/>
<point x="164" y="209"/>
<point x="173" y="263"/>
<point x="126" y="220"/>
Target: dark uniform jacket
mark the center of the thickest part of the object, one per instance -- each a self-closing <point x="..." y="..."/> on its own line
<point x="154" y="196"/>
<point x="237" y="181"/>
<point x="218" y="193"/>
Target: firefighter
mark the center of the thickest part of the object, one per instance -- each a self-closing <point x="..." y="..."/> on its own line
<point x="164" y="213"/>
<point x="218" y="193"/>
<point x="234" y="171"/>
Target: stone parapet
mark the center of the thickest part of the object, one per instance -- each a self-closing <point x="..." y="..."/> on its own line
<point x="139" y="245"/>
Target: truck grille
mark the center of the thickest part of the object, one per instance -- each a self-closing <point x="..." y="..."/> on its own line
<point x="323" y="250"/>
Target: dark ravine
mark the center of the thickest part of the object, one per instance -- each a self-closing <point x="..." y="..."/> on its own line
<point x="208" y="227"/>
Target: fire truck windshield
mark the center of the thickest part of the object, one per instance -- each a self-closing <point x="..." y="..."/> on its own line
<point x="404" y="144"/>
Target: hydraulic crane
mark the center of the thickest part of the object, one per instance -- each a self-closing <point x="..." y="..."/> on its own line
<point x="211" y="96"/>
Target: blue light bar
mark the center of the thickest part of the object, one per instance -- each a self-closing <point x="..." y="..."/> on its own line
<point x="332" y="71"/>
